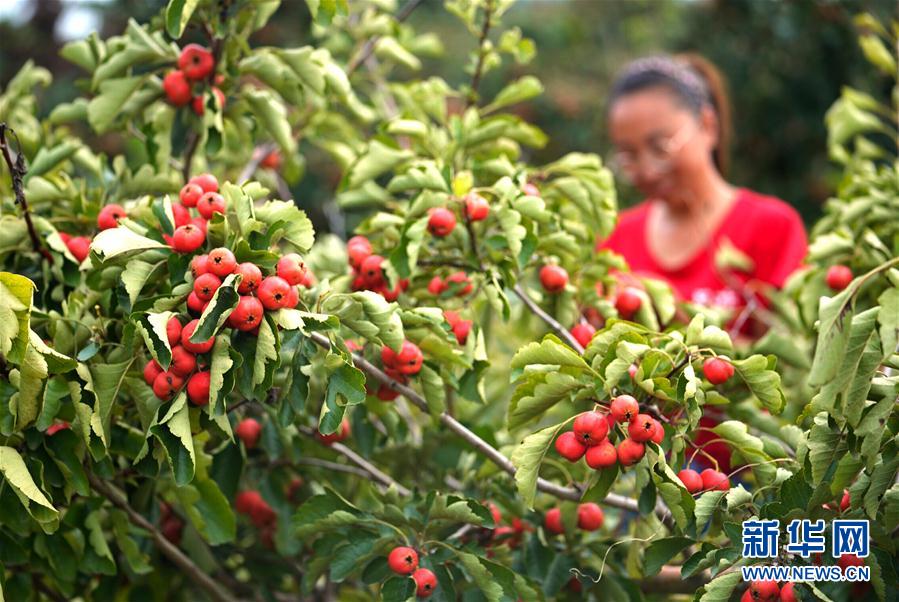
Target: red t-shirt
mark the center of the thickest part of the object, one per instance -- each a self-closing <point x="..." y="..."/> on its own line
<point x="765" y="228"/>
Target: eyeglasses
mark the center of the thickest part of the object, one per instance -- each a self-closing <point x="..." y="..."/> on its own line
<point x="659" y="153"/>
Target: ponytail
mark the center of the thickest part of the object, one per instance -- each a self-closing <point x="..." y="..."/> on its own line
<point x="720" y="100"/>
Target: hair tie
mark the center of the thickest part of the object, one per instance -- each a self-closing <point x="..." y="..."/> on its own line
<point x="666" y="66"/>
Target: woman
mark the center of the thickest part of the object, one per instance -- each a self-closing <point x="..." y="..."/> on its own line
<point x="669" y="119"/>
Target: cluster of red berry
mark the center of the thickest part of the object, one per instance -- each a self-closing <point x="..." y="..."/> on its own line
<point x="170" y="523"/>
<point x="589" y="518"/>
<point x="403" y="560"/>
<point x="195" y="65"/>
<point x="261" y="514"/>
<point x="368" y="271"/>
<point x="79" y="246"/>
<point x="337" y="436"/>
<point x="185" y="365"/>
<point x="200" y="193"/>
<point x="590" y="431"/>
<point x="768" y="591"/>
<point x="460" y="326"/>
<point x="399" y="366"/>
<point x="456" y="284"/>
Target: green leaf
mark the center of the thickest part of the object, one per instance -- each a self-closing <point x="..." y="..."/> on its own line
<point x="15" y="315"/>
<point x="721" y="587"/>
<point x="115" y="95"/>
<point x="398" y="589"/>
<point x="121" y="243"/>
<point x="485" y="581"/>
<point x="16" y="474"/>
<point x="764" y="383"/>
<point x="434" y="390"/>
<point x="220" y="364"/>
<point x="105" y="381"/>
<point x="273" y="117"/>
<point x="705" y="507"/>
<point x="549" y="351"/>
<point x="520" y="90"/>
<point x="286" y="223"/>
<point x="152" y="327"/>
<point x="346" y="386"/>
<point x="177" y="15"/>
<point x="220" y="307"/>
<point x="135" y="276"/>
<point x="834" y="328"/>
<point x="209" y="511"/>
<point x="351" y="555"/>
<point x="376" y="160"/>
<point x="527" y="458"/>
<point x="173" y="431"/>
<point x="324" y="512"/>
<point x="877" y="54"/>
<point x="661" y="551"/>
<point x="537" y="393"/>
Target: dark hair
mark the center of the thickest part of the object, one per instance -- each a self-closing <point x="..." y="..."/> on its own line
<point x="693" y="80"/>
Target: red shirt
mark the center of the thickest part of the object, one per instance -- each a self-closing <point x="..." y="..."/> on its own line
<point x="765" y="228"/>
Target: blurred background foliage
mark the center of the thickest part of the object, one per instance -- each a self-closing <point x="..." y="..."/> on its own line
<point x="785" y="62"/>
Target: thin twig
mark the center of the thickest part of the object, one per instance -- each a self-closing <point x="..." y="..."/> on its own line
<point x="369" y="45"/>
<point x="192" y="144"/>
<point x="334" y="466"/>
<point x="482" y="54"/>
<point x="259" y="154"/>
<point x="376" y="473"/>
<point x="550" y="321"/>
<point x="17" y="171"/>
<point x="169" y="550"/>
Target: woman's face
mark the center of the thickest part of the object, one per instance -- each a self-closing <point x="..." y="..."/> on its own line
<point x="662" y="148"/>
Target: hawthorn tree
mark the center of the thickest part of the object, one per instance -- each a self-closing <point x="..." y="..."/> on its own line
<point x="201" y="399"/>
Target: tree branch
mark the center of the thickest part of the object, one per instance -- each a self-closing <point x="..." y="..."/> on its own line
<point x="259" y="153"/>
<point x="376" y="473"/>
<point x="192" y="143"/>
<point x="369" y="45"/>
<point x="550" y="321"/>
<point x="495" y="456"/>
<point x="176" y="556"/>
<point x="482" y="55"/>
<point x="17" y="171"/>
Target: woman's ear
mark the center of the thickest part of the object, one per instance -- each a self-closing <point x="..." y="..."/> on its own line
<point x="709" y="122"/>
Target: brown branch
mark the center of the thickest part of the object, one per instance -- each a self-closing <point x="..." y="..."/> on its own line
<point x="192" y="144"/>
<point x="369" y="47"/>
<point x="482" y="55"/>
<point x="259" y="154"/>
<point x="495" y="456"/>
<point x="17" y="171"/>
<point x="169" y="550"/>
<point x="550" y="321"/>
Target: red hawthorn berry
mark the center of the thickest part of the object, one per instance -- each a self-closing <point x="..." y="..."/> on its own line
<point x="402" y="560"/>
<point x="201" y="223"/>
<point x="358" y="249"/>
<point x="847" y="560"/>
<point x="249" y="431"/>
<point x="247" y="315"/>
<point x="764" y="590"/>
<point x="838" y="277"/>
<point x="658" y="432"/>
<point x="293" y="488"/>
<point x="575" y="585"/>
<point x="221" y="262"/>
<point x="786" y="592"/>
<point x="199" y="265"/>
<point x="173" y="330"/>
<point x="245" y="501"/>
<point x="459" y="282"/>
<point x="712" y="479"/>
<point x="198" y="388"/>
<point x="56" y="427"/>
<point x="747" y="596"/>
<point x="371" y="272"/>
<point x="437" y="286"/>
<point x="250" y="277"/>
<point x="553" y="278"/>
<point x="630" y="452"/>
<point x="717" y="370"/>
<point x="570" y="447"/>
<point x="553" y="521"/>
<point x="79" y="247"/>
<point x="274" y="292"/>
<point x="206" y="181"/>
<point x="262" y="516"/>
<point x="461" y="330"/>
<point x="640" y="429"/>
<point x="409" y="359"/>
<point x="591" y="428"/>
<point x="632" y="371"/>
<point x="291" y="268"/>
<point x="180" y="214"/>
<point x="691" y="480"/>
<point x="628" y="302"/>
<point x="176" y="88"/>
<point x="271" y="160"/>
<point x="211" y="203"/>
<point x="476" y="207"/>
<point x="195" y="305"/>
<point x="845" y="501"/>
<point x="196" y="62"/>
<point x="441" y="222"/>
<point x="602" y="455"/>
<point x="206" y="285"/>
<point x="589" y="516"/>
<point x="198" y="104"/>
<point x="152" y="369"/>
<point x="186" y="333"/>
<point x="187" y="238"/>
<point x="167" y="385"/>
<point x="183" y="361"/>
<point x="171" y="529"/>
<point x="293" y="298"/>
<point x="190" y="194"/>
<point x="624" y="408"/>
<point x="109" y="216"/>
<point x="425" y="582"/>
<point x="530" y="189"/>
<point x="309" y="280"/>
<point x="583" y="333"/>
<point x="336" y="436"/>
